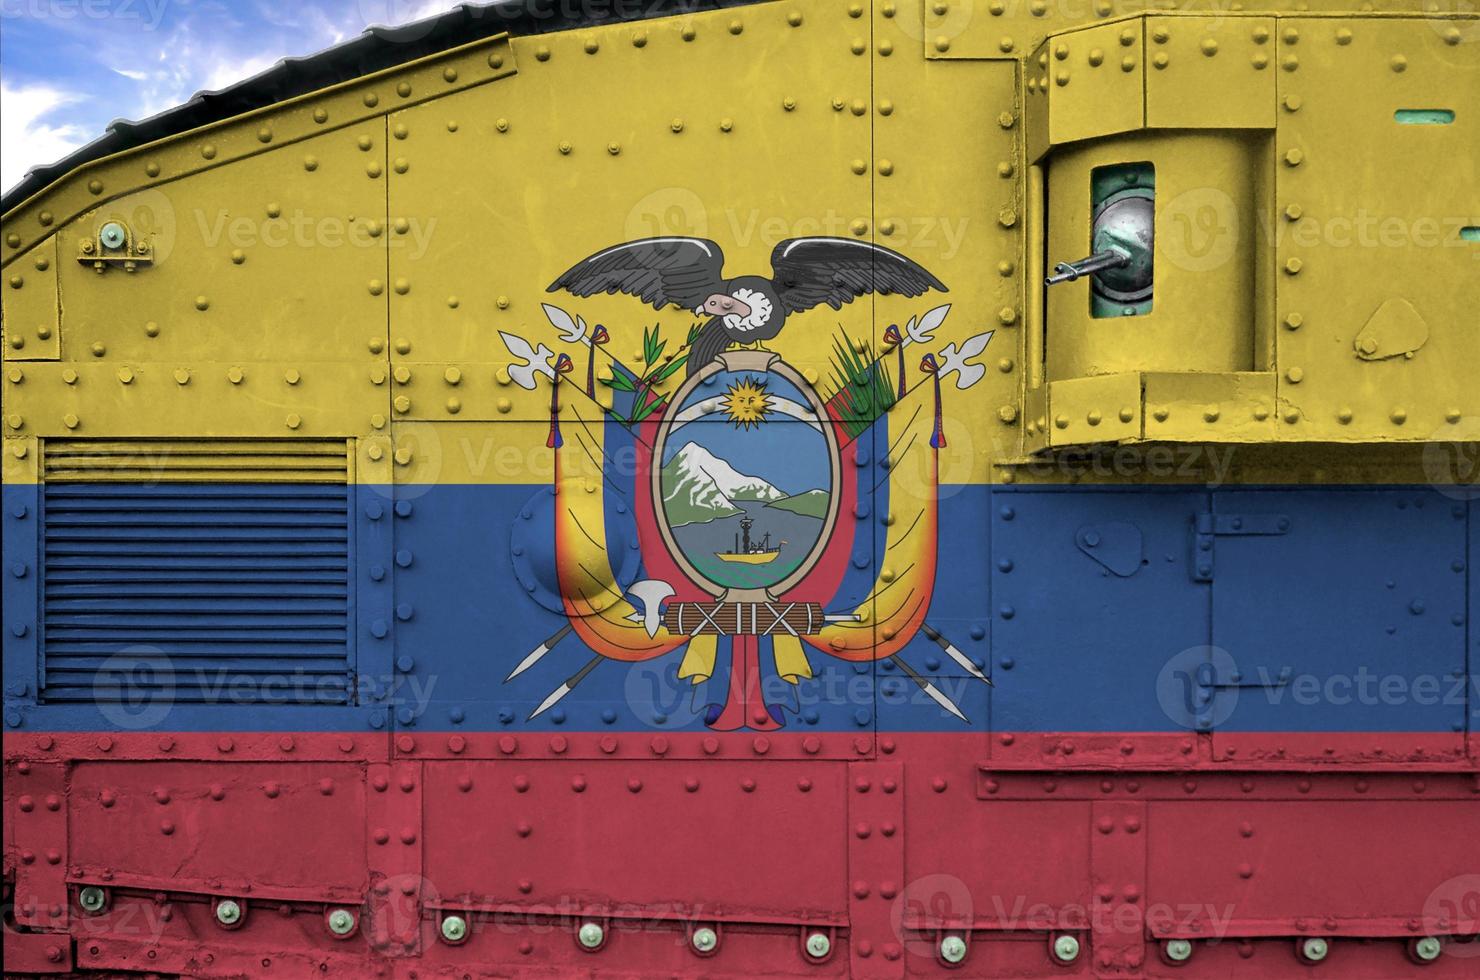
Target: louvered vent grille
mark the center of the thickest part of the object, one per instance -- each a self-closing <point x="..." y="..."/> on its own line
<point x="198" y="571"/>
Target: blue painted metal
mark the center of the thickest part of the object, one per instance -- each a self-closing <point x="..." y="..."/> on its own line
<point x="1312" y="587"/>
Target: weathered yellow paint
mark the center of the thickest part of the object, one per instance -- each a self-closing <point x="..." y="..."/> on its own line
<point x="1086" y="83"/>
<point x="1377" y="211"/>
<point x="1213" y="72"/>
<point x="31" y="313"/>
<point x="440" y="199"/>
<point x="1105" y="408"/>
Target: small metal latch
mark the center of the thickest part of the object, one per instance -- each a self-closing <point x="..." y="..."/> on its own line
<point x="1207" y="527"/>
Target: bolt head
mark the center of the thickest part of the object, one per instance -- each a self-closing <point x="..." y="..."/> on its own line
<point x="1066" y="949"/>
<point x="112" y="235"/>
<point x="1315" y="949"/>
<point x="1428" y="949"/>
<point x="590" y="935"/>
<point x="454" y="928"/>
<point x="818" y="945"/>
<point x="228" y="912"/>
<point x="705" y="939"/>
<point x="341" y="922"/>
<point x="92" y="899"/>
<point x="953" y="949"/>
<point x="1178" y="950"/>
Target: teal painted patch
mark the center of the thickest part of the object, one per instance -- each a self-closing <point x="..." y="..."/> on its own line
<point x="1424" y="117"/>
<point x="1470" y="234"/>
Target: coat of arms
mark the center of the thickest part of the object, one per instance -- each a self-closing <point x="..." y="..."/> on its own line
<point x="740" y="537"/>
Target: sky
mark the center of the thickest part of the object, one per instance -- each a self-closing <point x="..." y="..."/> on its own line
<point x="70" y="67"/>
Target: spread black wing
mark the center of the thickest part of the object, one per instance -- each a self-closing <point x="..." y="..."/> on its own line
<point x="810" y="271"/>
<point x="660" y="271"/>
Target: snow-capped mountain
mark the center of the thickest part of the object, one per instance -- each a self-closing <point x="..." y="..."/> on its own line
<point x="699" y="486"/>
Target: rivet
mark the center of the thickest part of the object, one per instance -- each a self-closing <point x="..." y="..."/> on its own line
<point x="182" y="376"/>
<point x="726" y="125"/>
<point x="234" y="375"/>
<point x="1260" y="60"/>
<point x="70" y="421"/>
<point x="1293" y="266"/>
<point x="1399" y="63"/>
<point x="371" y="100"/>
<point x="592" y="46"/>
<point x="373" y="169"/>
<point x="202" y="303"/>
<point x="1398" y="416"/>
<point x="294" y="420"/>
<point x="1209" y="46"/>
<point x="564" y="148"/>
<point x="1343" y="36"/>
<point x="542" y="53"/>
<point x="1290" y="62"/>
<point x="1293" y="321"/>
<point x="1295" y="375"/>
<point x="1128" y="63"/>
<point x="736" y="28"/>
<point x="640" y="39"/>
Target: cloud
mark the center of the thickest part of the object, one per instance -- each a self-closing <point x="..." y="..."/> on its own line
<point x="52" y="102"/>
<point x="28" y="136"/>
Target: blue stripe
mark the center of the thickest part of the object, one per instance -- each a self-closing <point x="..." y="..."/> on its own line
<point x="1355" y="617"/>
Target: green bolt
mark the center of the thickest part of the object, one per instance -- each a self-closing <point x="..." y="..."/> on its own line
<point x="1428" y="949"/>
<point x="953" y="949"/>
<point x="1066" y="949"/>
<point x="92" y="899"/>
<point x="1315" y="949"/>
<point x="341" y="922"/>
<point x="228" y="912"/>
<point x="1179" y="950"/>
<point x="591" y="935"/>
<point x="818" y="945"/>
<point x="705" y="939"/>
<point x="454" y="928"/>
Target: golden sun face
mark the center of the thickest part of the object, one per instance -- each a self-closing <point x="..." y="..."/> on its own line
<point x="747" y="403"/>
